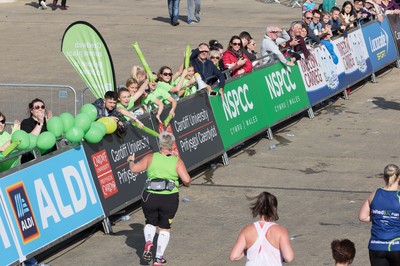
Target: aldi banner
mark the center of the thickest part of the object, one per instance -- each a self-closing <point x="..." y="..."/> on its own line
<point x="284" y="91"/>
<point x="243" y="112"/>
<point x="87" y="52"/>
<point x="197" y="137"/>
<point x="353" y="57"/>
<point x="116" y="184"/>
<point x="394" y="21"/>
<point x="380" y="44"/>
<point x="322" y="77"/>
<point x="8" y="250"/>
<point x="50" y="199"/>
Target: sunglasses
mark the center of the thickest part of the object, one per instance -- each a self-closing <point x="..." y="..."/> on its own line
<point x="202" y="52"/>
<point x="308" y="17"/>
<point x="2" y="121"/>
<point x="236" y="44"/>
<point x="167" y="74"/>
<point x="215" y="57"/>
<point x="37" y="107"/>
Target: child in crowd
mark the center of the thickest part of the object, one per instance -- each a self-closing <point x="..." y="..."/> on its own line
<point x="138" y="73"/>
<point x="326" y="21"/>
<point x="5" y="137"/>
<point x="166" y="80"/>
<point x="189" y="85"/>
<point x="124" y="100"/>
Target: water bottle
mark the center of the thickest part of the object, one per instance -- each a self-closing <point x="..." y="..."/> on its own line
<point x="125" y="218"/>
<point x="185" y="200"/>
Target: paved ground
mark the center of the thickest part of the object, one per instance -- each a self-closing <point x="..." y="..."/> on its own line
<point x="321" y="170"/>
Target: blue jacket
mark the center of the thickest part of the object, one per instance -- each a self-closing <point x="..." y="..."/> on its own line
<point x="206" y="69"/>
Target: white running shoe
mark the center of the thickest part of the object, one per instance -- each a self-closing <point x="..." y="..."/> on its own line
<point x="43" y="4"/>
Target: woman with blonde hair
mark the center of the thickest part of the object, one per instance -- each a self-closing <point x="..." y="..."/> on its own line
<point x="382" y="208"/>
<point x="265" y="242"/>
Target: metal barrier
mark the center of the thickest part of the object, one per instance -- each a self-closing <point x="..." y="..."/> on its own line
<point x="14" y="99"/>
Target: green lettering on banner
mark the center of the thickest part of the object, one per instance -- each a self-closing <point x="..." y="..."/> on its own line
<point x="257" y="101"/>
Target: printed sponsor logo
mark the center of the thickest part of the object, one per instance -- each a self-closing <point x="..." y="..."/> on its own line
<point x="23" y="212"/>
<point x="380" y="43"/>
<point x="236" y="101"/>
<point x="104" y="174"/>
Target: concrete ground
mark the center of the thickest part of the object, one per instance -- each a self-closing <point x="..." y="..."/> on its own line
<point x="321" y="170"/>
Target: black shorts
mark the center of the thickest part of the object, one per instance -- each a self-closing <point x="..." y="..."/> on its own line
<point x="159" y="210"/>
<point x="384" y="258"/>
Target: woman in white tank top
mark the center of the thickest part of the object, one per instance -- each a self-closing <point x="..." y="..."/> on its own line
<point x="264" y="242"/>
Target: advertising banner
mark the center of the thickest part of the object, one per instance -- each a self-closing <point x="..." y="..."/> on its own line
<point x="87" y="52"/>
<point x="394" y="21"/>
<point x="284" y="91"/>
<point x="322" y="77"/>
<point x="115" y="183"/>
<point x="8" y="251"/>
<point x="353" y="57"/>
<point x="197" y="137"/>
<point x="380" y="44"/>
<point x="50" y="199"/>
<point x="243" y="111"/>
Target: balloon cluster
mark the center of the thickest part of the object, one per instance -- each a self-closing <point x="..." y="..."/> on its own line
<point x="74" y="129"/>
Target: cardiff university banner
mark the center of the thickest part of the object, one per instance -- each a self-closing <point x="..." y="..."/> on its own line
<point x="87" y="52"/>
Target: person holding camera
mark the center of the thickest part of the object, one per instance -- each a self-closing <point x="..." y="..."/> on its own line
<point x="234" y="58"/>
<point x="160" y="197"/>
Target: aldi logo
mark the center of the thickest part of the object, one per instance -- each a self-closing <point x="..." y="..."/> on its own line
<point x="23" y="212"/>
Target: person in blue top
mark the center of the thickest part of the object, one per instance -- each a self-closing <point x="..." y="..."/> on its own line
<point x="160" y="197"/>
<point x="382" y="208"/>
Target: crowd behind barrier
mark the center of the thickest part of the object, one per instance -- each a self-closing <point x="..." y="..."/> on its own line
<point x="59" y="194"/>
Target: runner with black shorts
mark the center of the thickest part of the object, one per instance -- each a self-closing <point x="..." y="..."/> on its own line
<point x="160" y="197"/>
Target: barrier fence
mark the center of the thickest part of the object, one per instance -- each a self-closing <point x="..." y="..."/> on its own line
<point x="60" y="194"/>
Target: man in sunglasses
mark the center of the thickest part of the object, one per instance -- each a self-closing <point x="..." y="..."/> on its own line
<point x="209" y="73"/>
<point x="270" y="48"/>
<point x="309" y="19"/>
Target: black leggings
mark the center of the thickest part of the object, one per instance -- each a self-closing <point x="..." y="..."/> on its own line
<point x="384" y="258"/>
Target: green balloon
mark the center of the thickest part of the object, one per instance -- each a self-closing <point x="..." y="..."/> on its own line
<point x="94" y="135"/>
<point x="33" y="139"/>
<point x="67" y="120"/>
<point x="75" y="134"/>
<point x="55" y="126"/>
<point x="23" y="137"/>
<point x="45" y="140"/>
<point x="90" y="110"/>
<point x="100" y="126"/>
<point x="83" y="121"/>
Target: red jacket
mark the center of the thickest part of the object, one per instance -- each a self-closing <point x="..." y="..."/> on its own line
<point x="228" y="58"/>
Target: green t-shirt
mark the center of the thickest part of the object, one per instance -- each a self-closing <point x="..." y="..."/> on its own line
<point x="129" y="108"/>
<point x="160" y="94"/>
<point x="164" y="167"/>
<point x="164" y="86"/>
<point x="8" y="164"/>
<point x="189" y="90"/>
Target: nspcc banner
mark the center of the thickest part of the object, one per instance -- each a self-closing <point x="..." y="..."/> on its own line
<point x="243" y="111"/>
<point x="380" y="44"/>
<point x="285" y="93"/>
<point x="8" y="251"/>
<point x="86" y="50"/>
<point x="51" y="199"/>
<point x="115" y="183"/>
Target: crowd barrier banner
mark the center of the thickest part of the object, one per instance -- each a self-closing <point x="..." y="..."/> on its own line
<point x="8" y="250"/>
<point x="243" y="112"/>
<point x="197" y="137"/>
<point x="50" y="199"/>
<point x="284" y="91"/>
<point x="394" y="21"/>
<point x="353" y="57"/>
<point x="380" y="44"/>
<point x="116" y="185"/>
<point x="321" y="76"/>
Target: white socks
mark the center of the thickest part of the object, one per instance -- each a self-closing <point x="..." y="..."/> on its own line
<point x="149" y="232"/>
<point x="162" y="243"/>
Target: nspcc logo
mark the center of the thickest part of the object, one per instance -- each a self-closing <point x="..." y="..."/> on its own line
<point x="23" y="212"/>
